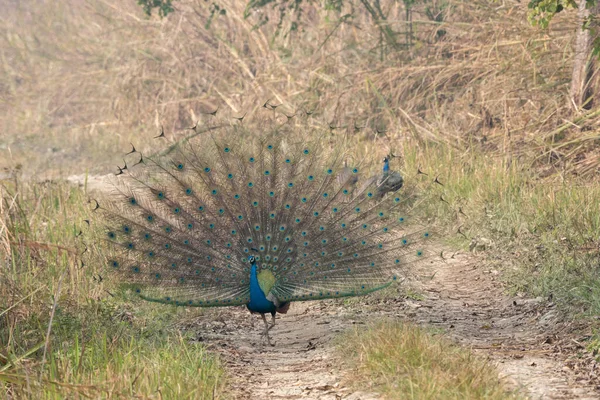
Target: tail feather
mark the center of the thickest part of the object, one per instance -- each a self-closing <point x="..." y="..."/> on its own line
<point x="180" y="227"/>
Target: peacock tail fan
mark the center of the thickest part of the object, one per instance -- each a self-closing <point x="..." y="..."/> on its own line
<point x="179" y="227"/>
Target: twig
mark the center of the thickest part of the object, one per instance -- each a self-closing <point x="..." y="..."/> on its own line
<point x="56" y="294"/>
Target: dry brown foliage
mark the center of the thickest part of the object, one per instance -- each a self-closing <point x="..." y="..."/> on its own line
<point x="80" y="80"/>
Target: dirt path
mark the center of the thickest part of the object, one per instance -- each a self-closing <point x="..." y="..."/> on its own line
<point x="299" y="366"/>
<point x="532" y="349"/>
<point x="525" y="338"/>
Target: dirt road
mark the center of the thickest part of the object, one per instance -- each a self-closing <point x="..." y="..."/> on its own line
<point x="525" y="338"/>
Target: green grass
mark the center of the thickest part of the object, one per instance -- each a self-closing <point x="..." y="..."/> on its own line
<point x="402" y="361"/>
<point x="61" y="336"/>
<point x="545" y="231"/>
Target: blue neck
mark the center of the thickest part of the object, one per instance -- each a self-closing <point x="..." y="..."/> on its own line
<point x="386" y="166"/>
<point x="258" y="300"/>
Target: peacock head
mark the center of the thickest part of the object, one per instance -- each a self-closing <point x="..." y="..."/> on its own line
<point x="386" y="164"/>
<point x="251" y="259"/>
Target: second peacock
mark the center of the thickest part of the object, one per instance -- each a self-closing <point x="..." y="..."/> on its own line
<point x="233" y="217"/>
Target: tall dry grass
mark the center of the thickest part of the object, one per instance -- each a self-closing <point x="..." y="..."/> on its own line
<point x="401" y="361"/>
<point x="80" y="80"/>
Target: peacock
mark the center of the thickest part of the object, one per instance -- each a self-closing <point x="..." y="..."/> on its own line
<point x="262" y="217"/>
<point x="389" y="181"/>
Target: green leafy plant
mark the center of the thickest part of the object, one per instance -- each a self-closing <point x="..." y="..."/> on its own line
<point x="541" y="12"/>
<point x="164" y="7"/>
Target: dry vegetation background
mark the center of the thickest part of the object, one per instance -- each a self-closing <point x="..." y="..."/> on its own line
<point x="480" y="97"/>
<point x="82" y="79"/>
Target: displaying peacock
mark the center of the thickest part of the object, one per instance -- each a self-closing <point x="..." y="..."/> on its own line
<point x="234" y="217"/>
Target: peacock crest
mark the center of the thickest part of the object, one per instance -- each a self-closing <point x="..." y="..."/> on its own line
<point x="238" y="217"/>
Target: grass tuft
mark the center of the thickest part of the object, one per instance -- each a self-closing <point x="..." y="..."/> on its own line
<point x="402" y="361"/>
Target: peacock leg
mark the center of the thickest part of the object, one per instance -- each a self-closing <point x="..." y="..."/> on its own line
<point x="272" y="323"/>
<point x="266" y="334"/>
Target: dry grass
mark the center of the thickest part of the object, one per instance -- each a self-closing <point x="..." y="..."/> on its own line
<point x="402" y="361"/>
<point x="61" y="335"/>
<point x="82" y="80"/>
